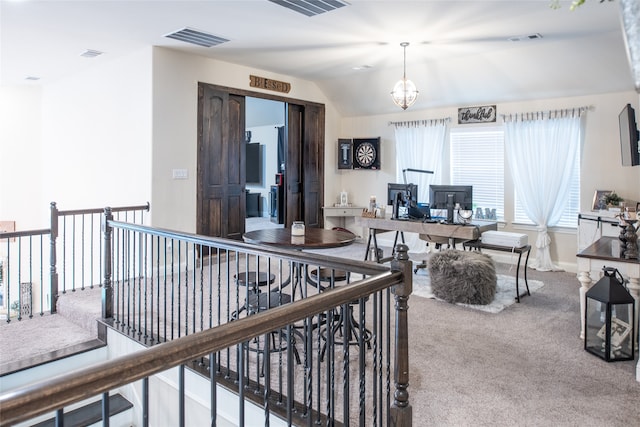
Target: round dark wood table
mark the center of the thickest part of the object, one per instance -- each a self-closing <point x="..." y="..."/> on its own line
<point x="314" y="238"/>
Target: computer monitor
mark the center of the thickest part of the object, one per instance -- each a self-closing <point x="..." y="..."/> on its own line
<point x="410" y="190"/>
<point x="448" y="196"/>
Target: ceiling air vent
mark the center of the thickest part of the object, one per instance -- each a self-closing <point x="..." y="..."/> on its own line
<point x="200" y="38"/>
<point x="90" y="53"/>
<point x="311" y="7"/>
<point x="530" y="37"/>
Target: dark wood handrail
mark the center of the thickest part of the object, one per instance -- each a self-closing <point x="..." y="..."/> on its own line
<point x="37" y="399"/>
<point x="310" y="258"/>
<point x="26" y="233"/>
<point x="101" y="210"/>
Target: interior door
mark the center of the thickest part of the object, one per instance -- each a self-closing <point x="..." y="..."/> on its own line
<point x="313" y="165"/>
<point x="304" y="174"/>
<point x="221" y="163"/>
<point x="293" y="164"/>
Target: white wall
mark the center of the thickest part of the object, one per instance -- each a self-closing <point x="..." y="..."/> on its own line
<point x="96" y="142"/>
<point x="21" y="157"/>
<point x="83" y="141"/>
<point x="601" y="166"/>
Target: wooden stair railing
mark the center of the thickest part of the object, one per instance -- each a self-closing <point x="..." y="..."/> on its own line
<point x="37" y="399"/>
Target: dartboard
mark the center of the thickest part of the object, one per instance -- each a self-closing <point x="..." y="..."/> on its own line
<point x="365" y="154"/>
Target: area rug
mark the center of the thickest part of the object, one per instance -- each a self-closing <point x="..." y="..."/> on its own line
<point x="505" y="292"/>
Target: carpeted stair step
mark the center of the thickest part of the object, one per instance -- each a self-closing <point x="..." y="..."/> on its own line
<point x="82" y="307"/>
<point x="90" y="413"/>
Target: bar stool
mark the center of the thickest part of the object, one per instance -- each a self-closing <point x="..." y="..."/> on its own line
<point x="332" y="276"/>
<point x="262" y="301"/>
<point x="253" y="281"/>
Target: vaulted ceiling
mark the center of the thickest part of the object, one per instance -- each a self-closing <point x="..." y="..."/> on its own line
<point x="460" y="52"/>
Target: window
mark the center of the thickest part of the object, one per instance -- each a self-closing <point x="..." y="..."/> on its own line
<point x="477" y="158"/>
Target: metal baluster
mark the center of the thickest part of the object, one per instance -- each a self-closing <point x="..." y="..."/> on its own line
<point x="145" y="402"/>
<point x="105" y="409"/>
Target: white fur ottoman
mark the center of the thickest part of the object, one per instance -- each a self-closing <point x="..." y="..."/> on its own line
<point x="460" y="276"/>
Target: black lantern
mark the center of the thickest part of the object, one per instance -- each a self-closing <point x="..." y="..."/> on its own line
<point x="610" y="318"/>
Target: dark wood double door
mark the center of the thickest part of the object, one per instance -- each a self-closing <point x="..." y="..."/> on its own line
<point x="221" y="161"/>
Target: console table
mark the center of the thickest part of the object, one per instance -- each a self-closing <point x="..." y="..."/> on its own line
<point x="341" y="213"/>
<point x="606" y="252"/>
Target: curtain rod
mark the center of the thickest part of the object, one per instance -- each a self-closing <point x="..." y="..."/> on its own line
<point x="548" y="114"/>
<point x="416" y="123"/>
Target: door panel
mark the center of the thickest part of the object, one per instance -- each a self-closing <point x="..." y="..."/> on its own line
<point x="220" y="188"/>
<point x="313" y="161"/>
<point x="293" y="171"/>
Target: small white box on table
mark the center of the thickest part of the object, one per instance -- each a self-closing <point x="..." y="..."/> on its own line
<point x="505" y="238"/>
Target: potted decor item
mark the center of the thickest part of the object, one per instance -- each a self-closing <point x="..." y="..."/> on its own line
<point x="613" y="200"/>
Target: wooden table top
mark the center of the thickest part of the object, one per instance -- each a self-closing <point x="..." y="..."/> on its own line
<point x="314" y="238"/>
<point x="606" y="248"/>
<point x="434" y="229"/>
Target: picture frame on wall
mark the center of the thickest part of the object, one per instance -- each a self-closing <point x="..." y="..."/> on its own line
<point x="345" y="148"/>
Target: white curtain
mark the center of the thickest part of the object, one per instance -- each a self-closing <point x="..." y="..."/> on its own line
<point x="420" y="145"/>
<point x="541" y="149"/>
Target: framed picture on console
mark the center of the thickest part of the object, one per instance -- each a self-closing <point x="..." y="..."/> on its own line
<point x="599" y="200"/>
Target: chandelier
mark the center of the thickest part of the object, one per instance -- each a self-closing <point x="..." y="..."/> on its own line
<point x="404" y="93"/>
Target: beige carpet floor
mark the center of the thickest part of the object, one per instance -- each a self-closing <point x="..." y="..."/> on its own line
<point x="523" y="366"/>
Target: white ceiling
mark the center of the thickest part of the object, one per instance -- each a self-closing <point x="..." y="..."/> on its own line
<point x="459" y="52"/>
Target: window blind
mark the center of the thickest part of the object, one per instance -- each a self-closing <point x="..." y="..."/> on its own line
<point x="477" y="158"/>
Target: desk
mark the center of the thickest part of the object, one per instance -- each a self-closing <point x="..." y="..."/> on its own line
<point x="433" y="229"/>
<point x="605" y="252"/>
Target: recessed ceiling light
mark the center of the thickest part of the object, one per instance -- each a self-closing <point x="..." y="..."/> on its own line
<point x="362" y="67"/>
<point x="535" y="36"/>
<point x="197" y="37"/>
<point x="90" y="53"/>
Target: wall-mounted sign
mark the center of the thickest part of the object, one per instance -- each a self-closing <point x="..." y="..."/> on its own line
<point x="482" y="114"/>
<point x="265" y="83"/>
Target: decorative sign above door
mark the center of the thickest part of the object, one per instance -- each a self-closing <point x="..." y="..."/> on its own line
<point x="482" y="114"/>
<point x="269" y="84"/>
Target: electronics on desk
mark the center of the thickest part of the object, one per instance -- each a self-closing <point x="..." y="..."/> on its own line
<point x="403" y="199"/>
<point x="451" y="197"/>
